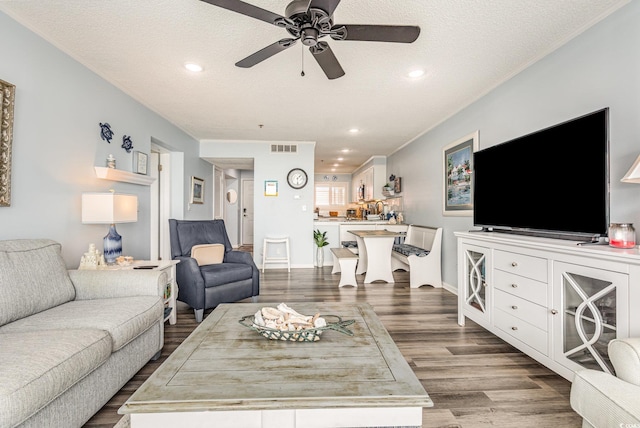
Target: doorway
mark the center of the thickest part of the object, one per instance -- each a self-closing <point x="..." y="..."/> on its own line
<point x="247" y="212"/>
<point x="160" y="203"/>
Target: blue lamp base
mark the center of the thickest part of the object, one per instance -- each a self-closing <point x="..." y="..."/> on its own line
<point x="112" y="245"/>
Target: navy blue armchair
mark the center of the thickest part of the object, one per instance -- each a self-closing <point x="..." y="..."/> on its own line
<point x="205" y="287"/>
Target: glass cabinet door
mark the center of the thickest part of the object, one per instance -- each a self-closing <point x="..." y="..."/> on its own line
<point x="591" y="314"/>
<point x="474" y="297"/>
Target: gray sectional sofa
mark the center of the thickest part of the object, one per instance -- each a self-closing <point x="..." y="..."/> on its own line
<point x="69" y="340"/>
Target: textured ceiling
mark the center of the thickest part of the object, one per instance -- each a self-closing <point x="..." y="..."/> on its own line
<point x="465" y="47"/>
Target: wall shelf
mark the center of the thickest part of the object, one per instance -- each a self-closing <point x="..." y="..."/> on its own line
<point x="124" y="176"/>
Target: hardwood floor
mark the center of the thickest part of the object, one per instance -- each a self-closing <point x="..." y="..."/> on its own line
<point x="474" y="378"/>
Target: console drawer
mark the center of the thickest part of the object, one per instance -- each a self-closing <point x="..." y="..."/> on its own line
<point x="521" y="330"/>
<point x="525" y="310"/>
<point x="520" y="264"/>
<point x="529" y="289"/>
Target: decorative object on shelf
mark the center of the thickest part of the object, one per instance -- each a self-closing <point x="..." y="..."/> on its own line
<point x="622" y="235"/>
<point x="320" y="238"/>
<point x="334" y="178"/>
<point x="297" y="178"/>
<point x="127" y="144"/>
<point x="111" y="162"/>
<point x="105" y="132"/>
<point x="124" y="260"/>
<point x="397" y="184"/>
<point x="271" y="188"/>
<point x="140" y="162"/>
<point x="387" y="189"/>
<point x="458" y="165"/>
<point x="7" y="96"/>
<point x="633" y="175"/>
<point x="91" y="259"/>
<point x="110" y="208"/>
<point x="197" y="190"/>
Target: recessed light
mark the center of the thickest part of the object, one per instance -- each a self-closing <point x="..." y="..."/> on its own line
<point x="416" y="73"/>
<point x="354" y="130"/>
<point x="345" y="150"/>
<point x="336" y="164"/>
<point x="340" y="159"/>
<point x="193" y="67"/>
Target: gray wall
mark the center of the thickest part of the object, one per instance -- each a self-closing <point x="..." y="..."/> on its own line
<point x="599" y="68"/>
<point x="56" y="144"/>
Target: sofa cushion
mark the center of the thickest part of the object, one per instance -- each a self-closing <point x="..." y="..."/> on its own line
<point x="33" y="278"/>
<point x="39" y="366"/>
<point x="408" y="250"/>
<point x="123" y="318"/>
<point x="225" y="273"/>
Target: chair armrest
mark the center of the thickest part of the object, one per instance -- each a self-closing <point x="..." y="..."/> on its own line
<point x="625" y="357"/>
<point x="603" y="400"/>
<point x="247" y="259"/>
<point x="105" y="284"/>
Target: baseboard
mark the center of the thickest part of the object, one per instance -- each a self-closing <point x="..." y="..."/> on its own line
<point x="450" y="288"/>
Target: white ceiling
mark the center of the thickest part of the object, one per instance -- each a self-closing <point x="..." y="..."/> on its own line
<point x="465" y="47"/>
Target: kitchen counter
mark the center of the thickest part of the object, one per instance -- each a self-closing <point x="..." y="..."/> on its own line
<point x="343" y="220"/>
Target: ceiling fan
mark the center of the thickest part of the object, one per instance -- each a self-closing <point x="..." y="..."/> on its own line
<point x="309" y="21"/>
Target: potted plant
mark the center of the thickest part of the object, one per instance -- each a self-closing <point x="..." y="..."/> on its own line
<point x="320" y="238"/>
<point x="389" y="186"/>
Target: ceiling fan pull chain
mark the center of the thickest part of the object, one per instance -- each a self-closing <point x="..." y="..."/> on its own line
<point x="302" y="72"/>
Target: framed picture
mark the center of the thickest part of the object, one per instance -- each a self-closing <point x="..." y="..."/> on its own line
<point x="397" y="185"/>
<point x="457" y="196"/>
<point x="197" y="190"/>
<point x="7" y="95"/>
<point x="271" y="188"/>
<point x="140" y="162"/>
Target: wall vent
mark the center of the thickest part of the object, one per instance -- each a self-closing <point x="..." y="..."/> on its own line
<point x="284" y="148"/>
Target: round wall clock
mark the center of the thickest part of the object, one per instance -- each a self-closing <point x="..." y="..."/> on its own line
<point x="297" y="178"/>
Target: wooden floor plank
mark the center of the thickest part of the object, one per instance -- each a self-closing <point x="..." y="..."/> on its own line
<point x="473" y="377"/>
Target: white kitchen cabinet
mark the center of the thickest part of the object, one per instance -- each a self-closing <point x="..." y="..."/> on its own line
<point x="557" y="301"/>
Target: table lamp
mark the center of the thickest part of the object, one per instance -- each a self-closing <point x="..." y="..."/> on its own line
<point x="110" y="208"/>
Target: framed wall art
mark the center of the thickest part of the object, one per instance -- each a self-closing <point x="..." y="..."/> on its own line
<point x="197" y="190"/>
<point x="7" y="99"/>
<point x="140" y="162"/>
<point x="457" y="195"/>
<point x="271" y="188"/>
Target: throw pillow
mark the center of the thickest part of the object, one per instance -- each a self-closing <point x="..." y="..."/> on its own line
<point x="208" y="254"/>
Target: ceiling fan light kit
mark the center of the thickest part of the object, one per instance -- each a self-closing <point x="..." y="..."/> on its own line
<point x="309" y="21"/>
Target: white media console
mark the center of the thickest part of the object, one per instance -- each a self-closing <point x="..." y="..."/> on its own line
<point x="557" y="301"/>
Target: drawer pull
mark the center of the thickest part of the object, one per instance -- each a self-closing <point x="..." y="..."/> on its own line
<point x="514" y="264"/>
<point x="514" y="328"/>
<point x="554" y="312"/>
<point x="514" y="307"/>
<point x="514" y="285"/>
<point x="484" y="284"/>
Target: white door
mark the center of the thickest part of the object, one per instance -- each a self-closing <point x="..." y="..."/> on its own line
<point x="218" y="192"/>
<point x="160" y="203"/>
<point x="247" y="212"/>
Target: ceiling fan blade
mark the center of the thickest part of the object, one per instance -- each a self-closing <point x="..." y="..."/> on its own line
<point x="248" y="10"/>
<point x="266" y="53"/>
<point x="327" y="60"/>
<point x="327" y="5"/>
<point x="376" y="33"/>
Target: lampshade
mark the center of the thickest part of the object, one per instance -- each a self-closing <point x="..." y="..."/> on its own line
<point x="109" y="208"/>
<point x="633" y="175"/>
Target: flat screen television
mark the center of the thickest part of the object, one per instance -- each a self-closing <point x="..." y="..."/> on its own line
<point x="553" y="182"/>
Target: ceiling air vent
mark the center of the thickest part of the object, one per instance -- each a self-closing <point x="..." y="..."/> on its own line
<point x="284" y="148"/>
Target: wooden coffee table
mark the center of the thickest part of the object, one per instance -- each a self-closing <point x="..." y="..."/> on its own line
<point x="227" y="375"/>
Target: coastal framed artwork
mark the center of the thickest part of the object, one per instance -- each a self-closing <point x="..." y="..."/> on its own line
<point x="197" y="190"/>
<point x="7" y="99"/>
<point x="457" y="189"/>
<point x="271" y="188"/>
